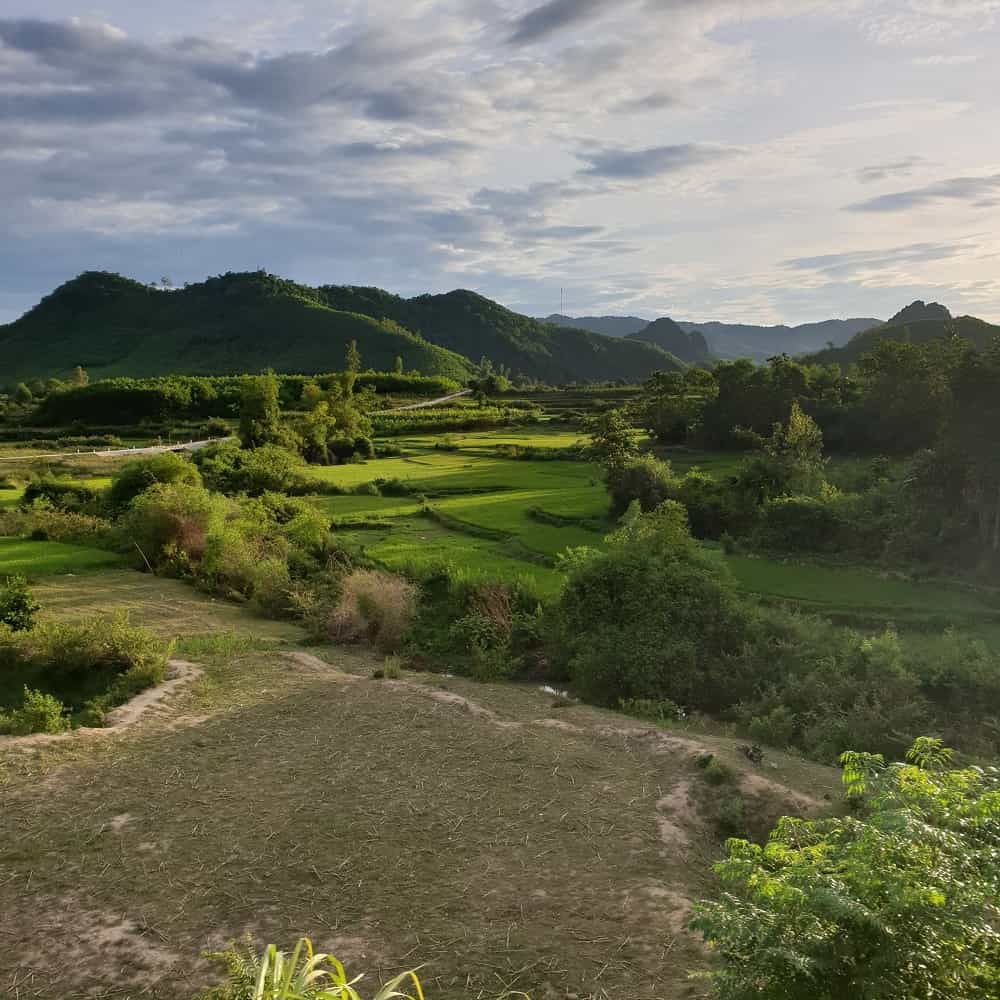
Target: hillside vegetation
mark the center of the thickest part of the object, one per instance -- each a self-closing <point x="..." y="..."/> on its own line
<point x="234" y="323"/>
<point x="917" y="323"/>
<point x="465" y="322"/>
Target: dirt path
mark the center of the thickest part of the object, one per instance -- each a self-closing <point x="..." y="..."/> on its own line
<point x="473" y="828"/>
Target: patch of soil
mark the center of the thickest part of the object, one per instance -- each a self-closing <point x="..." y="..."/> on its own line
<point x="674" y="812"/>
<point x="757" y="784"/>
<point x="127" y="951"/>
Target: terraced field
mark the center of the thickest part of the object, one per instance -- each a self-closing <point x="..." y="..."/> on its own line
<point x="503" y="517"/>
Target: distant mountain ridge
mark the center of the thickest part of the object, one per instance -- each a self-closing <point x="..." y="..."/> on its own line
<point x="609" y="326"/>
<point x="731" y="340"/>
<point x="240" y="322"/>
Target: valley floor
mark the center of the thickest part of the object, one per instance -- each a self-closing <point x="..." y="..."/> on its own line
<point x="501" y="837"/>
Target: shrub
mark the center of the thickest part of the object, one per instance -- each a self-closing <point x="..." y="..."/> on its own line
<point x="18" y="606"/>
<point x="61" y="494"/>
<point x="217" y="428"/>
<point x="898" y="900"/>
<point x="83" y="667"/>
<point x="714" y="506"/>
<point x="135" y="477"/>
<point x="170" y="523"/>
<point x="228" y="468"/>
<point x="364" y="447"/>
<point x="646" y="479"/>
<point x="38" y="713"/>
<point x="802" y="524"/>
<point x="41" y="523"/>
<point x="651" y="617"/>
<point x="376" y="606"/>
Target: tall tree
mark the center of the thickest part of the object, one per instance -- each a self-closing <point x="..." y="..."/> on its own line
<point x="260" y="411"/>
<point x="352" y="365"/>
<point x="79" y="376"/>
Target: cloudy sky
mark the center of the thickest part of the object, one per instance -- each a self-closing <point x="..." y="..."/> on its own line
<point x="753" y="160"/>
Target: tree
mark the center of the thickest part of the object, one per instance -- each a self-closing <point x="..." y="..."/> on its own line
<point x="671" y="404"/>
<point x="612" y="440"/>
<point x="23" y="395"/>
<point x="352" y="365"/>
<point x="79" y="376"/>
<point x="397" y="365"/>
<point x="898" y="902"/>
<point x="260" y="411"/>
<point x="791" y="462"/>
<point x="488" y="381"/>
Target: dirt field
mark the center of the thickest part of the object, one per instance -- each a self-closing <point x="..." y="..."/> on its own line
<point x="501" y="841"/>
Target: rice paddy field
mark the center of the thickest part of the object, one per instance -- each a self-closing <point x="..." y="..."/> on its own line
<point x="492" y="515"/>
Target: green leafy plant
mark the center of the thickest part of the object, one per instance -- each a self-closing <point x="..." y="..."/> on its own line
<point x="302" y="975"/>
<point x="18" y="606"/>
<point x="897" y="900"/>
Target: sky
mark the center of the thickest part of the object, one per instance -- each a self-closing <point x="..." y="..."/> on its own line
<point x="757" y="161"/>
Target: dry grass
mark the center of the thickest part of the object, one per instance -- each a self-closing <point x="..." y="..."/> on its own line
<point x="469" y="827"/>
<point x="376" y="606"/>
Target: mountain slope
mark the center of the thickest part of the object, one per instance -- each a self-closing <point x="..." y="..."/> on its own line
<point x="230" y="324"/>
<point x="477" y="327"/>
<point x="607" y="326"/>
<point x="666" y="334"/>
<point x="740" y="340"/>
<point x="978" y="332"/>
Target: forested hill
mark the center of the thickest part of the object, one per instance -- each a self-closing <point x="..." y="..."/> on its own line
<point x="243" y="322"/>
<point x="918" y="323"/>
<point x="665" y="333"/>
<point x="227" y="325"/>
<point x="476" y="326"/>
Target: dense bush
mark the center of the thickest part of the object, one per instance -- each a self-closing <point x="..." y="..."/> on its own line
<point x="139" y="475"/>
<point x="18" y="606"/>
<point x="644" y="479"/>
<point x="40" y="523"/>
<point x="651" y="617"/>
<point x="170" y="523"/>
<point x="228" y="468"/>
<point x="62" y="494"/>
<point x="897" y="900"/>
<point x="76" y="669"/>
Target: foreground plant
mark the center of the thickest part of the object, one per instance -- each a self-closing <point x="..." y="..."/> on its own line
<point x="899" y="900"/>
<point x="303" y="975"/>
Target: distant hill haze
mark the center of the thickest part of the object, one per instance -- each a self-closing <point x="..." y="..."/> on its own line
<point x="735" y="340"/>
<point x="243" y="322"/>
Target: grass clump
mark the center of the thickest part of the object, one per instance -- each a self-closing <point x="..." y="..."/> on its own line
<point x="373" y="605"/>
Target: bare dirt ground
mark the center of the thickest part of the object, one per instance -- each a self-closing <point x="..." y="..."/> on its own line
<point x="499" y="840"/>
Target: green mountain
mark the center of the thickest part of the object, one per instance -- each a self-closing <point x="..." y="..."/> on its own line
<point x="226" y="325"/>
<point x="477" y="327"/>
<point x="918" y="323"/>
<point x="666" y="334"/>
<point x="248" y="321"/>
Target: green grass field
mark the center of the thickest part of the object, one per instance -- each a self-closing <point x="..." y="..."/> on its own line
<point x="477" y="493"/>
<point x="39" y="559"/>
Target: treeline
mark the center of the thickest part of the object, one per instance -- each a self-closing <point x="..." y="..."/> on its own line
<point x="927" y="415"/>
<point x="894" y="401"/>
<point x="129" y="401"/>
